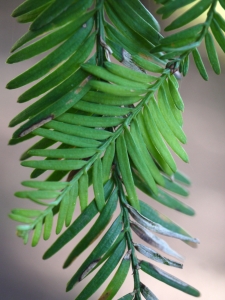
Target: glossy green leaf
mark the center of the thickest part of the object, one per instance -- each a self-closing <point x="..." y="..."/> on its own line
<point x="103" y="273"/>
<point x="212" y="53"/>
<point x="189" y="15"/>
<point x="51" y="112"/>
<point x="29" y="213"/>
<point x="168" y="279"/>
<point x="63" y="208"/>
<point x="182" y="178"/>
<point x="157" y="140"/>
<point x="107" y="161"/>
<point x="98" y="184"/>
<point x="58" y="75"/>
<point x="151" y="147"/>
<point x="125" y="169"/>
<point x="37" y="172"/>
<point x="110" y="250"/>
<point x="218" y="34"/>
<point x="199" y="64"/>
<point x="74" y="153"/>
<point x="48" y="225"/>
<point x="174" y="80"/>
<point x="49" y="99"/>
<point x="113" y="77"/>
<point x="171" y="6"/>
<point x="42" y="144"/>
<point x="135" y="152"/>
<point x="175" y="187"/>
<point x="21" y="219"/>
<point x="45" y="185"/>
<point x="118" y="38"/>
<point x="220" y="20"/>
<point x="78" y="130"/>
<point x="116" y="89"/>
<point x="57" y="175"/>
<point x="129" y="74"/>
<point x="137" y="136"/>
<point x="118" y="279"/>
<point x="48" y="41"/>
<point x="144" y="13"/>
<point x="54" y="58"/>
<point x="125" y="29"/>
<point x="166" y="131"/>
<point x="102" y="109"/>
<point x="177" y="46"/>
<point x="55" y="164"/>
<point x="61" y="23"/>
<point x="84" y="218"/>
<point x="176" y="95"/>
<point x="168" y="111"/>
<point x="146" y="64"/>
<point x="192" y="32"/>
<point x="176" y="53"/>
<point x="90" y="121"/>
<point x="173" y="203"/>
<point x="83" y="191"/>
<point x="186" y="65"/>
<point x="73" y="194"/>
<point x="109" y="99"/>
<point x="67" y="138"/>
<point x="37" y="234"/>
<point x="28" y="6"/>
<point x="96" y="229"/>
<point x="51" y="13"/>
<point x="18" y="141"/>
<point x="31" y="15"/>
<point x="102" y="247"/>
<point x="162" y="197"/>
<point x="37" y="194"/>
<point x="135" y="21"/>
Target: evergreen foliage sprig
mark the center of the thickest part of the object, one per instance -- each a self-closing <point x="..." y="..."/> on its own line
<point x="108" y="125"/>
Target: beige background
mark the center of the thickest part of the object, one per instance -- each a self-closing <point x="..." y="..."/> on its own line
<point x="23" y="273"/>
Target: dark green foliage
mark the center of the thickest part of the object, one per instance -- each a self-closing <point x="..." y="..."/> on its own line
<point x="110" y="126"/>
<point x="186" y="40"/>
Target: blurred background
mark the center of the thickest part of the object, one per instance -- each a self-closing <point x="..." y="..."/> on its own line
<point x="24" y="275"/>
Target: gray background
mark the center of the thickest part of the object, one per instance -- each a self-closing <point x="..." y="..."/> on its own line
<point x="23" y="273"/>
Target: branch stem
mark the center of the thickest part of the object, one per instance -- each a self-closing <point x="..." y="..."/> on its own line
<point x="128" y="234"/>
<point x="100" y="32"/>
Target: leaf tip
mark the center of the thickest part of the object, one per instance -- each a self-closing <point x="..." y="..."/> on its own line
<point x="167" y="28"/>
<point x="45" y="256"/>
<point x="12" y="123"/>
<point x="65" y="265"/>
<point x="69" y="287"/>
<point x="9" y="85"/>
<point x="9" y="60"/>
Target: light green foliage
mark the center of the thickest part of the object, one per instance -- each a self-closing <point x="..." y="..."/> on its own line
<point x="110" y="126"/>
<point x="187" y="40"/>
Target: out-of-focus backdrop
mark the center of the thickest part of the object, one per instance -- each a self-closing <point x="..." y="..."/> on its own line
<point x="24" y="275"/>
